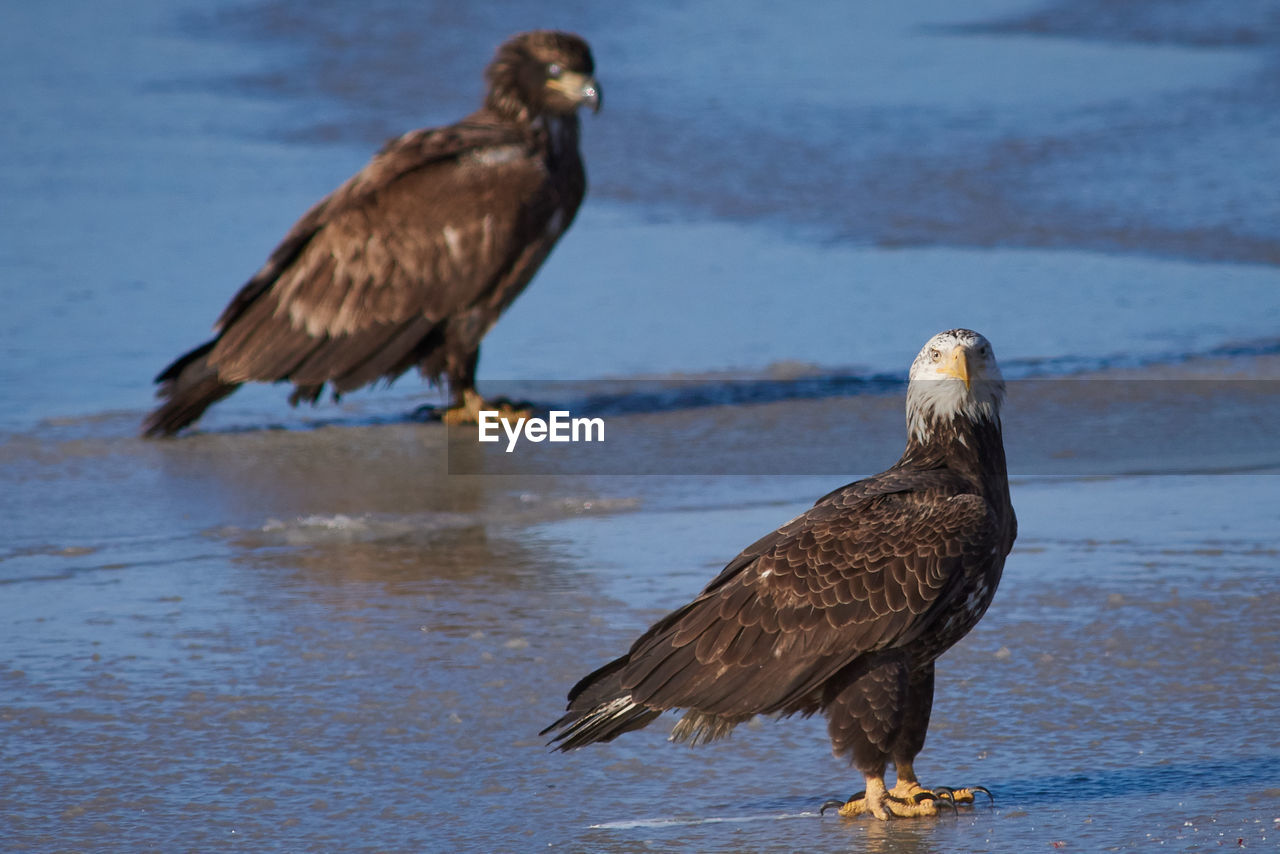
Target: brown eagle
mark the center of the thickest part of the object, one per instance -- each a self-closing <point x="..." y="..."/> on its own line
<point x="844" y="609"/>
<point x="412" y="260"/>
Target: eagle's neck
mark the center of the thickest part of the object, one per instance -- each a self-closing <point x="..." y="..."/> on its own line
<point x="503" y="98"/>
<point x="559" y="135"/>
<point x="507" y="106"/>
<point x="971" y="447"/>
<point x="555" y="134"/>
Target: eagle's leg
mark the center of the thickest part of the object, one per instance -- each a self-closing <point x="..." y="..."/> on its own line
<point x="907" y="799"/>
<point x="882" y="715"/>
<point x="900" y="802"/>
<point x="467" y="411"/>
<point x="307" y="394"/>
<point x="467" y="403"/>
<point x="911" y="741"/>
<point x="884" y="804"/>
<point x="866" y="718"/>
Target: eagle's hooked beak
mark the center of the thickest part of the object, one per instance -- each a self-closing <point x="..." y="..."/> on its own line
<point x="958" y="365"/>
<point x="592" y="96"/>
<point x="581" y="88"/>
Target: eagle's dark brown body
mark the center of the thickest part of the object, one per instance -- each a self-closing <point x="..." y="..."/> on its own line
<point x="412" y="260"/>
<point x="842" y="610"/>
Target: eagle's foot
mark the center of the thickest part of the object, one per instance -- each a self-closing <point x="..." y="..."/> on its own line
<point x="966" y="795"/>
<point x="885" y="805"/>
<point x="941" y="793"/>
<point x="908" y="799"/>
<point x="468" y="411"/>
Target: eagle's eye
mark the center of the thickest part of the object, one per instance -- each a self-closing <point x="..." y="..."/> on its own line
<point x="935" y="354"/>
<point x="554" y="71"/>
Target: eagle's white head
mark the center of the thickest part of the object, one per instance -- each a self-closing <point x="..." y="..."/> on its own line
<point x="954" y="375"/>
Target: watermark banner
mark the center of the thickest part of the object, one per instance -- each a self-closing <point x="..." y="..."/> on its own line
<point x="821" y="425"/>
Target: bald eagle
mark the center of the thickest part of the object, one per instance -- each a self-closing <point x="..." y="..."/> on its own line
<point x="412" y="260"/>
<point x="844" y="609"/>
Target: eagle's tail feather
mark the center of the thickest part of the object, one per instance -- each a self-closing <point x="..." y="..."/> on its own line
<point x="603" y="723"/>
<point x="189" y="386"/>
<point x="600" y="709"/>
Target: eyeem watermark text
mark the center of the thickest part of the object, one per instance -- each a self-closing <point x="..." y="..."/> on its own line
<point x="559" y="427"/>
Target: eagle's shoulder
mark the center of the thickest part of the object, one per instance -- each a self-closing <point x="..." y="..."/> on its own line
<point x="359" y="202"/>
<point x="416" y="231"/>
<point x="478" y="139"/>
<point x="874" y="548"/>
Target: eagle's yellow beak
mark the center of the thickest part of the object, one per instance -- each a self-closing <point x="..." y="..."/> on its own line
<point x="580" y="88"/>
<point x="957" y="365"/>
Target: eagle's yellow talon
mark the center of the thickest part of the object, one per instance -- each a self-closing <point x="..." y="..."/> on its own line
<point x="907" y="799"/>
<point x="468" y="411"/>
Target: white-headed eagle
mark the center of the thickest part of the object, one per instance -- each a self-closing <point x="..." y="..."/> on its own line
<point x="844" y="609"/>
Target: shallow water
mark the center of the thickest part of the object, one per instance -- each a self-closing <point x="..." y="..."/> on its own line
<point x="377" y="681"/>
<point x="339" y="634"/>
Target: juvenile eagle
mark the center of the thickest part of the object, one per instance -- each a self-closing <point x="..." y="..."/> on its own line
<point x="412" y="260"/>
<point x="844" y="609"/>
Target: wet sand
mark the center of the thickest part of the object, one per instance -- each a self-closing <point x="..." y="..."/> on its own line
<point x="318" y="638"/>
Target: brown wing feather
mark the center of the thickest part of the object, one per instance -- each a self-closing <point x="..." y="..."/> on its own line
<point x="869" y="567"/>
<point x="436" y="220"/>
<point x="415" y="150"/>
